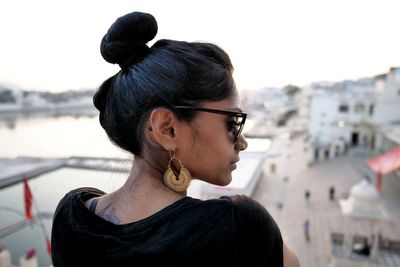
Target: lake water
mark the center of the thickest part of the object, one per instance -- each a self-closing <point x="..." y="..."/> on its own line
<point x="61" y="136"/>
<point x="55" y="137"/>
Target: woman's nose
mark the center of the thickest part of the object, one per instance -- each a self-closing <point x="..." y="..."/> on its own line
<point x="241" y="144"/>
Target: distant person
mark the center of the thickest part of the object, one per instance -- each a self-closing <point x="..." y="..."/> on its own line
<point x="331" y="193"/>
<point x="307" y="195"/>
<point x="306" y="228"/>
<point x="175" y="107"/>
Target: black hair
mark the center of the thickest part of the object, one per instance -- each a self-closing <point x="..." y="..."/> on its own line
<point x="168" y="74"/>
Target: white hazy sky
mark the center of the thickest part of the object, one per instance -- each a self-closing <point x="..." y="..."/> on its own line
<point x="54" y="45"/>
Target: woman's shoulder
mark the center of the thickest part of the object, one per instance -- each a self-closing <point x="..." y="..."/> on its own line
<point x="246" y="205"/>
<point x="84" y="193"/>
<point x="209" y="206"/>
<point x="240" y="204"/>
<point x="77" y="197"/>
<point x="253" y="220"/>
<point x="257" y="232"/>
<point x="246" y="211"/>
<point x="242" y="200"/>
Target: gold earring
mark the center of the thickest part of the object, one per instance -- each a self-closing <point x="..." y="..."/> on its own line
<point x="180" y="183"/>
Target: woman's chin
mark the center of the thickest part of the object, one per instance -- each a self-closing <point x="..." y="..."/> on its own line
<point x="226" y="181"/>
<point x="223" y="181"/>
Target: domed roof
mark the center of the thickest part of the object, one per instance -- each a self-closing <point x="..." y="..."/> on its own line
<point x="363" y="202"/>
<point x="364" y="191"/>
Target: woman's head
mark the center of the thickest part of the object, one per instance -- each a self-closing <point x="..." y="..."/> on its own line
<point x="168" y="74"/>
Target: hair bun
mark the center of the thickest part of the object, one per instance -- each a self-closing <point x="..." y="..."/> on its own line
<point x="125" y="41"/>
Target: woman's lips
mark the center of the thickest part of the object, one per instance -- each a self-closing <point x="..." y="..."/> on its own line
<point x="234" y="166"/>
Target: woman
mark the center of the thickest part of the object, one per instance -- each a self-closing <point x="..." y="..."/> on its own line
<point x="175" y="107"/>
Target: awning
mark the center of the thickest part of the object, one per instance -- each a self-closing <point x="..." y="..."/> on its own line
<point x="386" y="162"/>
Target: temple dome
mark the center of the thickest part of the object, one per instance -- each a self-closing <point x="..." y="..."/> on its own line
<point x="364" y="191"/>
<point x="363" y="202"/>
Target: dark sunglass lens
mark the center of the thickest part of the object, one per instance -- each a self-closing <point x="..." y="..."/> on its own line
<point x="236" y="130"/>
<point x="239" y="128"/>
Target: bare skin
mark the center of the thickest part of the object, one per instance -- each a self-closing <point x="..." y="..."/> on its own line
<point x="289" y="258"/>
<point x="139" y="191"/>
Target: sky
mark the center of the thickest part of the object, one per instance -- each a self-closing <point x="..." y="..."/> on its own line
<point x="55" y="45"/>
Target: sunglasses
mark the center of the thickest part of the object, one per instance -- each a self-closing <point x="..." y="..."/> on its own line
<point x="237" y="124"/>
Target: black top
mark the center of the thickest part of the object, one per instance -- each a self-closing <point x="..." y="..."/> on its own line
<point x="229" y="231"/>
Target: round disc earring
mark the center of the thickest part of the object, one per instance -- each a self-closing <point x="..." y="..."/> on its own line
<point x="177" y="183"/>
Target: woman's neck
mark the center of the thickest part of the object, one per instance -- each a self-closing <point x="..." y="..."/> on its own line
<point x="142" y="195"/>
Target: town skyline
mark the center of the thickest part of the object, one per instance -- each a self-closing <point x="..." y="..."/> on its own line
<point x="55" y="46"/>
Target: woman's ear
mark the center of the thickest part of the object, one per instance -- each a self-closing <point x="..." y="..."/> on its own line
<point x="162" y="124"/>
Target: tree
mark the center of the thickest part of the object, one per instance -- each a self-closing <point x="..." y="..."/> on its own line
<point x="291" y="89"/>
<point x="6" y="96"/>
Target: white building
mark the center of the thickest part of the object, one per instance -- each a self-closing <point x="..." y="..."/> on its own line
<point x="268" y="108"/>
<point x="340" y="115"/>
<point x="387" y="93"/>
<point x="363" y="207"/>
<point x="350" y="113"/>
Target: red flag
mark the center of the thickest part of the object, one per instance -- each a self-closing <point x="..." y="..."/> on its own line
<point x="379" y="182"/>
<point x="48" y="246"/>
<point x="28" y="199"/>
